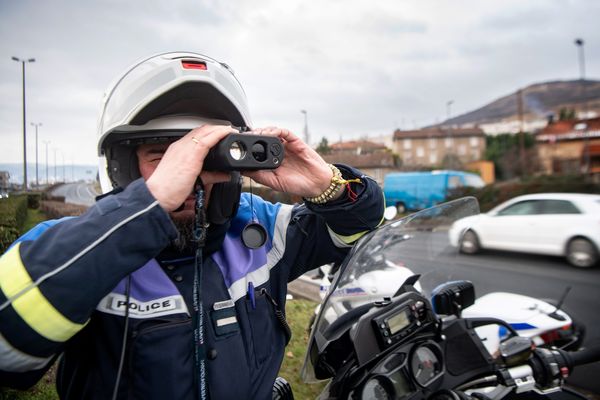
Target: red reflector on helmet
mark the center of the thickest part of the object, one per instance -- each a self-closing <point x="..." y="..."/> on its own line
<point x="194" y="65"/>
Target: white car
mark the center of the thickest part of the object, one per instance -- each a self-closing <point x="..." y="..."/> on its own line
<point x="561" y="224"/>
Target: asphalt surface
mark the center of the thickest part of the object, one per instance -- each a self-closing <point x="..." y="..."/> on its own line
<point x="540" y="277"/>
<point x="491" y="271"/>
<point x="81" y="193"/>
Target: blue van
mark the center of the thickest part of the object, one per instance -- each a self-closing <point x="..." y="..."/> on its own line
<point x="419" y="190"/>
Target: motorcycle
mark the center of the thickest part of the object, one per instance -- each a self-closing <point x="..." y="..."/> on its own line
<point x="410" y="338"/>
<point x="545" y="321"/>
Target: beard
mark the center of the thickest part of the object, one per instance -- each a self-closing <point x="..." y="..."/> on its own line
<point x="185" y="242"/>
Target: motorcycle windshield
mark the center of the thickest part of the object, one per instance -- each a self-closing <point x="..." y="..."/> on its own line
<point x="381" y="262"/>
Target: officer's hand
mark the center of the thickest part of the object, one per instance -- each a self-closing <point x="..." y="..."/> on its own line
<point x="175" y="175"/>
<point x="303" y="172"/>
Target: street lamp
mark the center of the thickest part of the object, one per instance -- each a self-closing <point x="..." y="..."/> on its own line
<point x="37" y="125"/>
<point x="63" y="165"/>
<point x="579" y="43"/>
<point x="55" y="150"/>
<point x="448" y="105"/>
<point x="586" y="148"/>
<point x="23" y="62"/>
<point x="306" y="134"/>
<point x="46" y="142"/>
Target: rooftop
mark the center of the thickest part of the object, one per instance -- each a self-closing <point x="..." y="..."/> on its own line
<point x="355" y="144"/>
<point x="438" y="132"/>
<point x="570" y="130"/>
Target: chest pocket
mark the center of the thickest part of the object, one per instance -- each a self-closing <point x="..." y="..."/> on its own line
<point x="261" y="319"/>
<point x="161" y="356"/>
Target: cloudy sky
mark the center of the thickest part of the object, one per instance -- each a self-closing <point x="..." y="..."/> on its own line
<point x="360" y="68"/>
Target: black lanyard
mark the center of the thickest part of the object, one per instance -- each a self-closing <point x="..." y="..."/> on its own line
<point x="200" y="228"/>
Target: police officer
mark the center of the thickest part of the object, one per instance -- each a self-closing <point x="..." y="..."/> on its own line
<point x="127" y="297"/>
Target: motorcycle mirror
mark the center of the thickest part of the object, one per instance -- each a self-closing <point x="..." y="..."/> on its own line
<point x="408" y="285"/>
<point x="390" y="213"/>
<point x="451" y="298"/>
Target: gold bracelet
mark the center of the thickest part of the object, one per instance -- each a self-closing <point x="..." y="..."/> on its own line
<point x="337" y="184"/>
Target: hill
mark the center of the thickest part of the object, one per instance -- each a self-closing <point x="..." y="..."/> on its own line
<point x="539" y="100"/>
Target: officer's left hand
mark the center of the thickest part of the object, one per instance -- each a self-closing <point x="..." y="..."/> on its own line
<point x="303" y="172"/>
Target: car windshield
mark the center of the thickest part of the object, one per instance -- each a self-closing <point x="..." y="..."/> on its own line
<point x="474" y="181"/>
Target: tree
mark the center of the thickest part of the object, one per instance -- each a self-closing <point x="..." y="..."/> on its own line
<point x="397" y="160"/>
<point x="323" y="147"/>
<point x="452" y="161"/>
<point x="503" y="150"/>
<point x="566" y="114"/>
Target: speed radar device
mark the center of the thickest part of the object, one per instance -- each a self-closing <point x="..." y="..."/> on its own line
<point x="245" y="152"/>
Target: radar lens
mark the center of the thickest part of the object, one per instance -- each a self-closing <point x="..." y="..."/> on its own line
<point x="236" y="151"/>
<point x="259" y="151"/>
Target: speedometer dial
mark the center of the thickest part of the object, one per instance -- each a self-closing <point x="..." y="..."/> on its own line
<point x="425" y="365"/>
<point x="375" y="389"/>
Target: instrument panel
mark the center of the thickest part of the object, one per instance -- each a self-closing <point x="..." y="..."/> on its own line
<point x="405" y="372"/>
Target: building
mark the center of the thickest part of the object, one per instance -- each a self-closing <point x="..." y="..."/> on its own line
<point x="513" y="125"/>
<point x="357" y="147"/>
<point x="4" y="178"/>
<point x="432" y="147"/>
<point x="374" y="159"/>
<point x="484" y="168"/>
<point x="564" y="147"/>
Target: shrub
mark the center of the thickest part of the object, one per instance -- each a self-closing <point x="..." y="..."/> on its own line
<point x="13" y="212"/>
<point x="7" y="236"/>
<point x="492" y="195"/>
<point x="57" y="209"/>
<point x="33" y="200"/>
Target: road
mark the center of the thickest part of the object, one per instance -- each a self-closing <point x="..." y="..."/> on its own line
<point x="81" y="193"/>
<point x="537" y="276"/>
<point x="531" y="275"/>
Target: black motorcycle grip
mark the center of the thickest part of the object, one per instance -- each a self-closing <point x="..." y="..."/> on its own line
<point x="581" y="357"/>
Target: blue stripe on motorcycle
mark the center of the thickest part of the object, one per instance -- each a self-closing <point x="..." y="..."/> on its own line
<point x="523" y="326"/>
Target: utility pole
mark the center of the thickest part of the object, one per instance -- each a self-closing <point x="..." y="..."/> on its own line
<point x="449" y="149"/>
<point x="521" y="133"/>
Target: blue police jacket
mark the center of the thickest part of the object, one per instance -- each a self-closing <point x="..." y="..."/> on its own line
<point x="66" y="286"/>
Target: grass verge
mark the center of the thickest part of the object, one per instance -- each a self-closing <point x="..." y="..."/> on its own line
<point x="34" y="217"/>
<point x="298" y="313"/>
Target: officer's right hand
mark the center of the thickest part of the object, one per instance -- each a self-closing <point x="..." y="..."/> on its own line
<point x="171" y="178"/>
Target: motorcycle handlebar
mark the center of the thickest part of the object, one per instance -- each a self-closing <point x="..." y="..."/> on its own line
<point x="551" y="366"/>
<point x="548" y="367"/>
<point x="581" y="357"/>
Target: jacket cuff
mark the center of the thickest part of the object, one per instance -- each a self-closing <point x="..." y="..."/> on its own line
<point x="351" y="214"/>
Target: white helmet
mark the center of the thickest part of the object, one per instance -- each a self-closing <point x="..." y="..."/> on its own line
<point x="163" y="96"/>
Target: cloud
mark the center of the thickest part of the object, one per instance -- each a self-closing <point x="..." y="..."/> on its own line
<point x="358" y="67"/>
